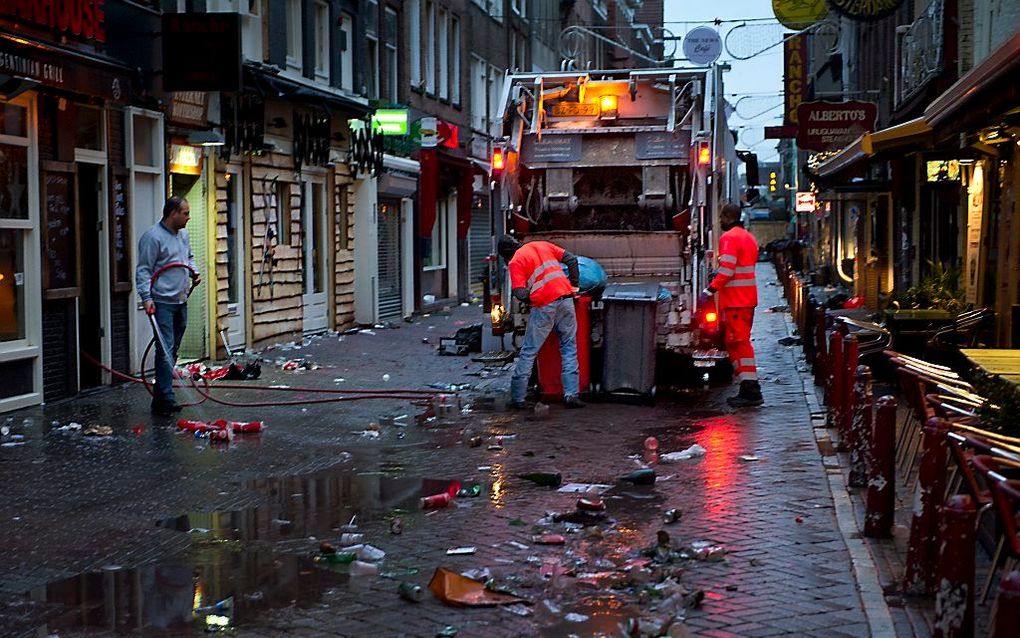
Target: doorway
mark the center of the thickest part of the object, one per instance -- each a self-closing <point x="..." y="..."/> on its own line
<point x="313" y="253"/>
<point x="91" y="315"/>
<point x="235" y="261"/>
<point x="191" y="187"/>
<point x="390" y="290"/>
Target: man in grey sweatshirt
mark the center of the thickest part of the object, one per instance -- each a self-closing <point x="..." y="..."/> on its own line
<point x="166" y="297"/>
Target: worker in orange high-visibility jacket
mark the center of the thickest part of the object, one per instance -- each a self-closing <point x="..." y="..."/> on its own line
<point x="537" y="279"/>
<point x="738" y="295"/>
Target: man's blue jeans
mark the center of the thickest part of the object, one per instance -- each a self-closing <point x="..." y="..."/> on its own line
<point x="171" y="319"/>
<point x="558" y="316"/>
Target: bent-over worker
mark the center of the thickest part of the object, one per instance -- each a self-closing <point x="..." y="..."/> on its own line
<point x="537" y="279"/>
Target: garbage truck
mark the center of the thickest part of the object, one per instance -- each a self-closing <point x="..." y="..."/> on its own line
<point x="629" y="168"/>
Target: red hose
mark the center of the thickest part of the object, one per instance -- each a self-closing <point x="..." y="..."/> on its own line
<point x="345" y="395"/>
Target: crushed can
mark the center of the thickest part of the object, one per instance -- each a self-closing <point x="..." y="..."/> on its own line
<point x="397" y="526"/>
<point x="672" y="515"/>
<point x="436" y="501"/>
<point x="591" y="504"/>
<point x="411" y="591"/>
<point x="226" y="435"/>
<point x="351" y="538"/>
<point x="251" y="427"/>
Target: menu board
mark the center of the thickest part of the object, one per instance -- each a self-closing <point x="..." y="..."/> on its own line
<point x="120" y="231"/>
<point x="60" y="237"/>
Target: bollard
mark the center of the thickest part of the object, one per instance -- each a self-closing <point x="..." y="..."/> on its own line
<point x="881" y="499"/>
<point x="835" y="380"/>
<point x="922" y="550"/>
<point x="859" y="432"/>
<point x="1006" y="619"/>
<point x="821" y="356"/>
<point x="850" y="358"/>
<point x="954" y="598"/>
<point x="835" y="385"/>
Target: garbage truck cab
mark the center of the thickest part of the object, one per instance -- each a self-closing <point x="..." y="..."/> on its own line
<point x="618" y="166"/>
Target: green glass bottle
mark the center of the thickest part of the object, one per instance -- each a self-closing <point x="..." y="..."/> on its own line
<point x="545" y="479"/>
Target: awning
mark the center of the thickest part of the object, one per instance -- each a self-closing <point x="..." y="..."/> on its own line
<point x="1003" y="64"/>
<point x="869" y="144"/>
<point x="25" y="63"/>
<point x="284" y="87"/>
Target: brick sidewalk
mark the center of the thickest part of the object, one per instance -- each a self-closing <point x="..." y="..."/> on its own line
<point x="77" y="506"/>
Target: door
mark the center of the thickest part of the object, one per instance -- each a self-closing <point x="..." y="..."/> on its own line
<point x="94" y="283"/>
<point x="390" y="290"/>
<point x="313" y="252"/>
<point x="235" y="261"/>
<point x="192" y="187"/>
<point x="146" y="213"/>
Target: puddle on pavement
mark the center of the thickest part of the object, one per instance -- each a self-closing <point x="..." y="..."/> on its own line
<point x="594" y="617"/>
<point x="308" y="505"/>
<point x="209" y="588"/>
<point x="237" y="566"/>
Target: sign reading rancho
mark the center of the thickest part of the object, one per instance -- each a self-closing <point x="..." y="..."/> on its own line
<point x="829" y="126"/>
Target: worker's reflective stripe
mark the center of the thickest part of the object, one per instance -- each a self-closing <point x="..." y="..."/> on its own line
<point x="739" y="282"/>
<point x="549" y="277"/>
<point x="728" y="259"/>
<point x="541" y="269"/>
<point x="744" y="269"/>
<point x="747" y="376"/>
<point x="746" y="362"/>
<point x="725" y="271"/>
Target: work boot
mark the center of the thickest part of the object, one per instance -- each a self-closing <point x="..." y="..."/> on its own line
<point x="749" y="396"/>
<point x="165" y="409"/>
<point x="520" y="405"/>
<point x="573" y="402"/>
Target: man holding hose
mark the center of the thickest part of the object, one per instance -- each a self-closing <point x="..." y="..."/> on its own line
<point x="166" y="297"/>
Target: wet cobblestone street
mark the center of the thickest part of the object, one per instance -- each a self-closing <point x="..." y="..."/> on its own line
<point x="134" y="531"/>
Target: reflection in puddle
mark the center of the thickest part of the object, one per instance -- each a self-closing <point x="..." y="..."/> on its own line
<point x="233" y="570"/>
<point x="211" y="588"/>
<point x="308" y="505"/>
<point x="595" y="616"/>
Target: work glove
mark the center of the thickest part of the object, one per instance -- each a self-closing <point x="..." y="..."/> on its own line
<point x="704" y="297"/>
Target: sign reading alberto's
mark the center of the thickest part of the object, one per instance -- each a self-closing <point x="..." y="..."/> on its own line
<point x="865" y="9"/>
<point x="829" y="126"/>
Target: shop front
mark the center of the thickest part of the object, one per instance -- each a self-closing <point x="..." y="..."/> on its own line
<point x="65" y="262"/>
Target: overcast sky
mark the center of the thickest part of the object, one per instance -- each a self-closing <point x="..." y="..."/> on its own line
<point x="750" y="79"/>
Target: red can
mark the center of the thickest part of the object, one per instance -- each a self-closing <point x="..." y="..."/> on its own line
<point x="251" y="427"/>
<point x="196" y="426"/>
<point x="436" y="501"/>
<point x="221" y="435"/>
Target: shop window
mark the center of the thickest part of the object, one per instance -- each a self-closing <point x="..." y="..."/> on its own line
<point x="430" y="48"/>
<point x="12" y="285"/>
<point x="434" y="250"/>
<point x="17" y="376"/>
<point x="347" y="54"/>
<point x="322" y="41"/>
<point x="146" y="137"/>
<point x="294" y="34"/>
<point x="444" y="54"/>
<point x="284" y="214"/>
<point x="13" y="182"/>
<point x="455" y="61"/>
<point x="413" y="8"/>
<point x="88" y="128"/>
<point x="13" y="120"/>
<point x="390" y="55"/>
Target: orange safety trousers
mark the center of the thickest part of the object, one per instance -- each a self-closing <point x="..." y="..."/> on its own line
<point x="737" y="337"/>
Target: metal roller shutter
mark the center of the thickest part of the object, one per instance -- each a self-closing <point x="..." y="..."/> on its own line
<point x="479" y="242"/>
<point x="390" y="296"/>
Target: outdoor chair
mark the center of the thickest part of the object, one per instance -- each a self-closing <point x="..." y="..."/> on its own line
<point x="1000" y="474"/>
<point x="965" y="330"/>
